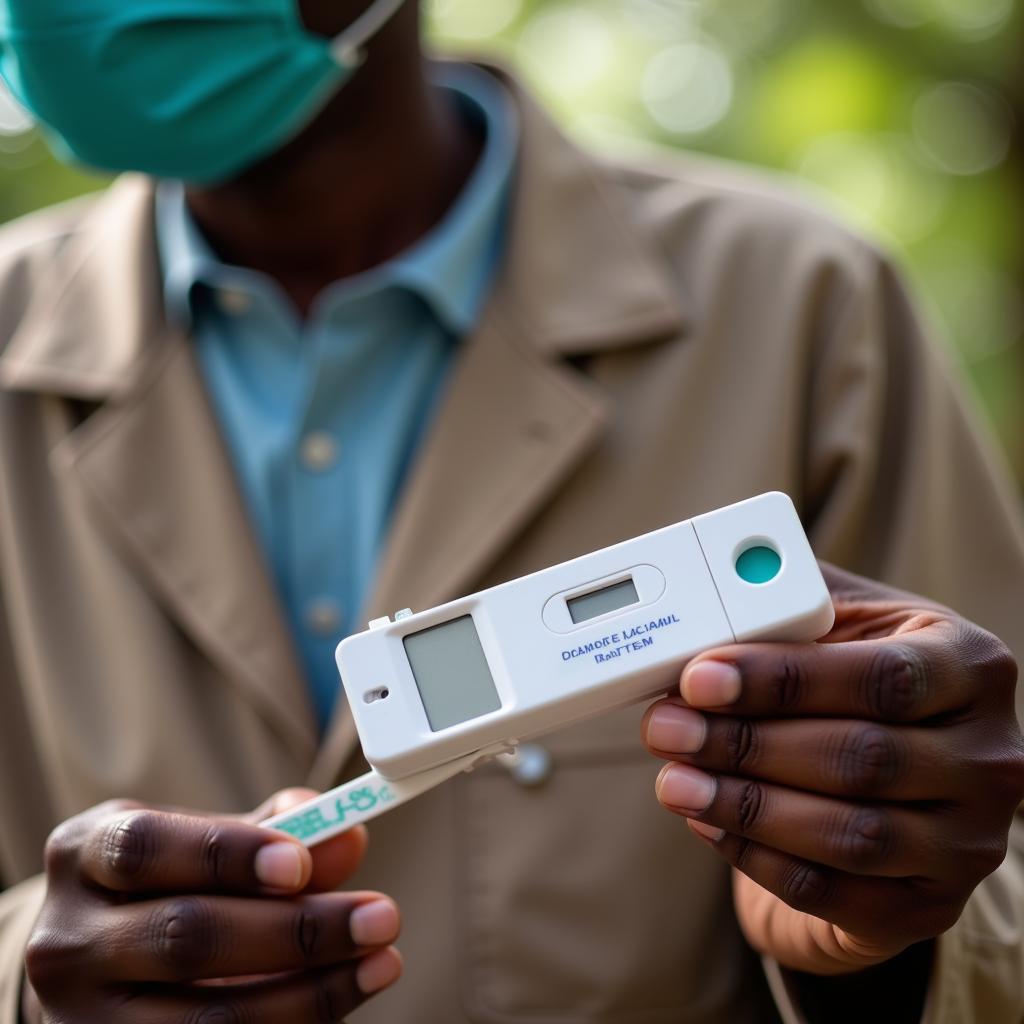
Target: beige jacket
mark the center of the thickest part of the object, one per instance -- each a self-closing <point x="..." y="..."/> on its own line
<point x="665" y="339"/>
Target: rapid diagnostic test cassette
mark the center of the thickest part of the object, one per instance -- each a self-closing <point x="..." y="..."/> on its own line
<point x="439" y="692"/>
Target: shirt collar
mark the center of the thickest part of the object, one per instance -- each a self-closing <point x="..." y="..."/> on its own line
<point x="451" y="267"/>
<point x="185" y="256"/>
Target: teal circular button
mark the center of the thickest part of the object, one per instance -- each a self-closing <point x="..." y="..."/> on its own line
<point x="758" y="565"/>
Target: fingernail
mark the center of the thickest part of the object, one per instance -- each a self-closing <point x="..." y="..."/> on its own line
<point x="281" y="866"/>
<point x="676" y="730"/>
<point x="708" y="832"/>
<point x="378" y="971"/>
<point x="374" y="924"/>
<point x="711" y="684"/>
<point x="685" y="788"/>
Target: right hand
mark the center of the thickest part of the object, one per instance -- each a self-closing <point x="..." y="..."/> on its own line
<point x="156" y="917"/>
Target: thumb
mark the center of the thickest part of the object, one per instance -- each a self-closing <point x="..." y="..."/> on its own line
<point x="333" y="861"/>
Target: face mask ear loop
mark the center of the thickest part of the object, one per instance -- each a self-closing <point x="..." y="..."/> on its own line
<point x="347" y="48"/>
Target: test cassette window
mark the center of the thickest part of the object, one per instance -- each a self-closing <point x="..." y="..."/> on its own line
<point x="600" y="602"/>
<point x="451" y="673"/>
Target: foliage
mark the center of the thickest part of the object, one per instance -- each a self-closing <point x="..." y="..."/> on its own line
<point x="900" y="111"/>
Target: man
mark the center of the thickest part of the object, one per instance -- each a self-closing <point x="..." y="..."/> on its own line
<point x="354" y="345"/>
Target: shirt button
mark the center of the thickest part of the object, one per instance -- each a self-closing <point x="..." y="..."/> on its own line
<point x="531" y="765"/>
<point x="323" y="617"/>
<point x="234" y="301"/>
<point x="318" y="451"/>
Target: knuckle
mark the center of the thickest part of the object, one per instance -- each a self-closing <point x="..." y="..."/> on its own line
<point x="1005" y="669"/>
<point x="46" y="959"/>
<point x="895" y="683"/>
<point x="981" y="653"/>
<point x="750" y="805"/>
<point x="61" y="850"/>
<point x="60" y="950"/>
<point x="805" y="887"/>
<point x="307" y="933"/>
<point x="183" y="935"/>
<point x="741" y="743"/>
<point x="1001" y="772"/>
<point x="986" y="857"/>
<point x="864" y="839"/>
<point x="220" y="1013"/>
<point x="130" y="844"/>
<point x="323" y="1000"/>
<point x="1011" y="771"/>
<point x="330" y="1002"/>
<point x="788" y="684"/>
<point x="993" y="661"/>
<point x="867" y="759"/>
<point x="213" y="851"/>
<point x="744" y="854"/>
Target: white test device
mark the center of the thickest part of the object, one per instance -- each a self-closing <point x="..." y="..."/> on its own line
<point x="439" y="692"/>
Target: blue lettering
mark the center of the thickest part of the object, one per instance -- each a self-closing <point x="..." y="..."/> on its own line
<point x="632" y="638"/>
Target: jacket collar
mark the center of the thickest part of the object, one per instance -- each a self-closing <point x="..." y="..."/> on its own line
<point x="580" y="273"/>
<point x="89" y="332"/>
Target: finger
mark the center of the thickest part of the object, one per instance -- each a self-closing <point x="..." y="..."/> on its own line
<point x="850" y="592"/>
<point x="839" y="757"/>
<point x="188" y="938"/>
<point x="905" y="678"/>
<point x="862" y="839"/>
<point x="337" y="860"/>
<point x="886" y="911"/>
<point x="146" y="851"/>
<point x="321" y="997"/>
<point x="334" y="861"/>
<point x="281" y="801"/>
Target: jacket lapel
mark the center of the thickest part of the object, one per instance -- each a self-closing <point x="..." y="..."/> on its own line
<point x="154" y="468"/>
<point x="513" y="427"/>
<point x="149" y="461"/>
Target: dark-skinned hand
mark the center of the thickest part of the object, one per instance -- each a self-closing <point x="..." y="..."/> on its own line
<point x="170" y="917"/>
<point x="861" y="787"/>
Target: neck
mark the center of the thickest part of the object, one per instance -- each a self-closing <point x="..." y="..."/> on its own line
<point x="376" y="170"/>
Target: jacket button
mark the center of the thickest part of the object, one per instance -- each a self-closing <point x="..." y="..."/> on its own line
<point x="531" y="765"/>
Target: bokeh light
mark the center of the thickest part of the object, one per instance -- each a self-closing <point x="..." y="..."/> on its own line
<point x="569" y="48"/>
<point x="963" y="128"/>
<point x="898" y="114"/>
<point x="14" y="119"/>
<point x="878" y="184"/>
<point x="687" y="88"/>
<point x="468" y="19"/>
<point x="968" y="19"/>
<point x="976" y="19"/>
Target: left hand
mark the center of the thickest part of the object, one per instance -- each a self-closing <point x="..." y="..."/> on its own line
<point x="862" y="786"/>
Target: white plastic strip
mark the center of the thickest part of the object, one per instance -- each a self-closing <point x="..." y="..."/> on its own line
<point x="347" y="47"/>
<point x="361" y="800"/>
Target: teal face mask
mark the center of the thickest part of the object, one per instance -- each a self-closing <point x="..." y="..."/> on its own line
<point x="192" y="89"/>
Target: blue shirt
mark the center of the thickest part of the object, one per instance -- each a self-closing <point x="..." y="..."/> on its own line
<point x="322" y="417"/>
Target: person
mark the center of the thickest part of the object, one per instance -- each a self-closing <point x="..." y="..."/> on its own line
<point x="364" y="330"/>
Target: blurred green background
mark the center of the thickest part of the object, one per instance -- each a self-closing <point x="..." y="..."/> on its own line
<point x="903" y="113"/>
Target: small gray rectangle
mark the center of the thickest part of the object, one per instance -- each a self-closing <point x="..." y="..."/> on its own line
<point x="451" y="673"/>
<point x="600" y="602"/>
